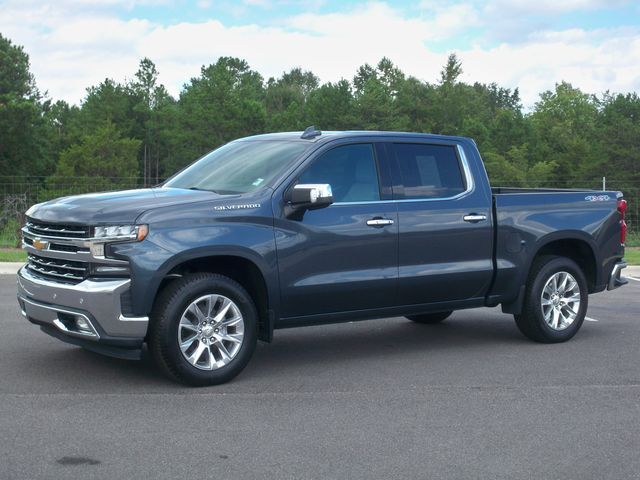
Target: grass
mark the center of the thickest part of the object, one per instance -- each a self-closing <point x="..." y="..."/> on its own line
<point x="633" y="239"/>
<point x="12" y="255"/>
<point x="10" y="234"/>
<point x="632" y="255"/>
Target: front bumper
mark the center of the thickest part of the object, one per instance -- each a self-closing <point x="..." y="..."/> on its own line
<point x="57" y="307"/>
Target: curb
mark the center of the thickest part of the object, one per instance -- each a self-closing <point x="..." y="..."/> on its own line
<point x="633" y="270"/>
<point x="10" y="268"/>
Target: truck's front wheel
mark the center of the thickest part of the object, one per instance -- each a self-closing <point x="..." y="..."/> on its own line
<point x="555" y="301"/>
<point x="203" y="330"/>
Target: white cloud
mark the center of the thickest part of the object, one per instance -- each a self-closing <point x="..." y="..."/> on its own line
<point x="589" y="60"/>
<point x="544" y="7"/>
<point x="74" y="48"/>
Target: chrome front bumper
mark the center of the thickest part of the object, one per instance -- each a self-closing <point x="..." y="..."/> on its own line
<point x="95" y="301"/>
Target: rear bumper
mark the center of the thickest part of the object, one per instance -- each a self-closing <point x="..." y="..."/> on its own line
<point x="87" y="314"/>
<point x="616" y="279"/>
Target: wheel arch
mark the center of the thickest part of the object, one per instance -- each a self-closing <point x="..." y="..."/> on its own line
<point x="576" y="245"/>
<point x="245" y="267"/>
<point x="578" y="248"/>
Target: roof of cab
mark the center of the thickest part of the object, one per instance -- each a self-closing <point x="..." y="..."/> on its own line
<point x="326" y="135"/>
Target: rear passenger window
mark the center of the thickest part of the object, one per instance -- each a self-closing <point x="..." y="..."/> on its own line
<point x="351" y="171"/>
<point x="428" y="171"/>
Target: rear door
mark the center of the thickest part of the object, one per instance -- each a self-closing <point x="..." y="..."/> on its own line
<point x="445" y="230"/>
<point x="343" y="257"/>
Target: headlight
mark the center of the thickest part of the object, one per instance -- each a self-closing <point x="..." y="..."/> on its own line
<point x="110" y="233"/>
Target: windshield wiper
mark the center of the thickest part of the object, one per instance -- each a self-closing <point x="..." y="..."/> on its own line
<point x="219" y="192"/>
<point x="203" y="190"/>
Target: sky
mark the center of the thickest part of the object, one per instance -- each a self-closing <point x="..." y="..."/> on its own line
<point x="529" y="44"/>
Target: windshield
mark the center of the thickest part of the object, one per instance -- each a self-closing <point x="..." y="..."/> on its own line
<point x="238" y="167"/>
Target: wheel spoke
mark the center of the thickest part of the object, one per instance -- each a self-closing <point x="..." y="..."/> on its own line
<point x="233" y="337"/>
<point x="548" y="289"/>
<point x="563" y="284"/>
<point x="573" y="299"/>
<point x="186" y="343"/>
<point x="211" y="360"/>
<point x="193" y="308"/>
<point x="189" y="326"/>
<point x="230" y="322"/>
<point x="226" y="304"/>
<point x="195" y="356"/>
<point x="226" y="356"/>
<point x="556" y="317"/>
<point x="211" y="301"/>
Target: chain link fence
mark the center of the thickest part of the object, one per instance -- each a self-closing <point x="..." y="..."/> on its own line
<point x="17" y="194"/>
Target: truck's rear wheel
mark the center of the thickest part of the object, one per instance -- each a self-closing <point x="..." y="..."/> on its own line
<point x="203" y="330"/>
<point x="555" y="301"/>
<point x="430" y="318"/>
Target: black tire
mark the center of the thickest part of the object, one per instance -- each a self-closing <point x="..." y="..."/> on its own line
<point x="167" y="311"/>
<point x="531" y="321"/>
<point x="430" y="318"/>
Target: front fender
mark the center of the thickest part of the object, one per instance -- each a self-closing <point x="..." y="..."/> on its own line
<point x="167" y="248"/>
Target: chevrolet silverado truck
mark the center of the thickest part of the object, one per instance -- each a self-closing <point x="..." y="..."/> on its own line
<point x="292" y="229"/>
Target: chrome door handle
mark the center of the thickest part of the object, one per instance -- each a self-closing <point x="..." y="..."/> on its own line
<point x="379" y="222"/>
<point x="474" y="218"/>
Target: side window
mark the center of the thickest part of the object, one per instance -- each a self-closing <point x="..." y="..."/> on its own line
<point x="429" y="171"/>
<point x="350" y="170"/>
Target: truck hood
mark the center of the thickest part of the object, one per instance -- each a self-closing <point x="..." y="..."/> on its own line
<point x="114" y="207"/>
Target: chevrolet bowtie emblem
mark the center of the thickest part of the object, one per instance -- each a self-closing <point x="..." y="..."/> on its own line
<point x="40" y="244"/>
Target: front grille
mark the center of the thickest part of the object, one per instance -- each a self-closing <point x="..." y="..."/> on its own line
<point x="58" y="230"/>
<point x="59" y="247"/>
<point x="66" y="271"/>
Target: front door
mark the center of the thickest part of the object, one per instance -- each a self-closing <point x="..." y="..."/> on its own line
<point x="343" y="257"/>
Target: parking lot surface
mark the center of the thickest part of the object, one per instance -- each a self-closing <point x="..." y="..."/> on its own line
<point x="470" y="398"/>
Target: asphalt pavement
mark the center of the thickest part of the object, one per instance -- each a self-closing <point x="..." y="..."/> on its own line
<point x="470" y="398"/>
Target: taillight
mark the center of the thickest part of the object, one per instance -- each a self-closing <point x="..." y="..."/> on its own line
<point x="622" y="208"/>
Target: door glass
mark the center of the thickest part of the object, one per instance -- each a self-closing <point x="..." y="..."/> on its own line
<point x="429" y="171"/>
<point x="350" y="170"/>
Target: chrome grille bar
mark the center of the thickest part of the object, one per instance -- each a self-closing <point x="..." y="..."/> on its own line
<point x="63" y="231"/>
<point x="60" y="269"/>
<point x="55" y="263"/>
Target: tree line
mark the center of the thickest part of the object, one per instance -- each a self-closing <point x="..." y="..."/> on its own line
<point x="137" y="129"/>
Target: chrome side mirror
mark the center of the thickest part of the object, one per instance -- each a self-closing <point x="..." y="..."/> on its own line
<point x="312" y="195"/>
<point x="309" y="196"/>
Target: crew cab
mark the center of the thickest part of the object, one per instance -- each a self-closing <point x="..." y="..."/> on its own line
<point x="292" y="229"/>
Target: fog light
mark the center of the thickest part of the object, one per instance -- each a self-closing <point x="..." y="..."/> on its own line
<point x="110" y="269"/>
<point x="82" y="325"/>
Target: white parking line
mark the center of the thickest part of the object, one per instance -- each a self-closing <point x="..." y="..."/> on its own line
<point x="633" y="278"/>
<point x="589" y="319"/>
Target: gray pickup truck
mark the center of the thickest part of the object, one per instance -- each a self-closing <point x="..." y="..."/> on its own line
<point x="294" y="229"/>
